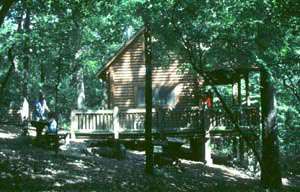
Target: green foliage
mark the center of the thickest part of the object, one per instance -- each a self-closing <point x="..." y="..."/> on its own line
<point x="68" y="36"/>
<point x="56" y="54"/>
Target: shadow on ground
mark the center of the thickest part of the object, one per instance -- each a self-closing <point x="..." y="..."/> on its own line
<point x="25" y="166"/>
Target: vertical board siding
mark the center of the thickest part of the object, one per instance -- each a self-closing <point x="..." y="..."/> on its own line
<point x="128" y="72"/>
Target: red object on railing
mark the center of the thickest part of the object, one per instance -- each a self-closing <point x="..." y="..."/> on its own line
<point x="207" y="101"/>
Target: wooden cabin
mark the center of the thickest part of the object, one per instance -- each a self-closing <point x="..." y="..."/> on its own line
<point x="175" y="95"/>
<point x="125" y="78"/>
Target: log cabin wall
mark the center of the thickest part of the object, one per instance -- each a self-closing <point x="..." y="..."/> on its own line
<point x="127" y="78"/>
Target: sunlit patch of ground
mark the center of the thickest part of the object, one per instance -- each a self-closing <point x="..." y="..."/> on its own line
<point x="7" y="135"/>
<point x="8" y="132"/>
<point x="27" y="167"/>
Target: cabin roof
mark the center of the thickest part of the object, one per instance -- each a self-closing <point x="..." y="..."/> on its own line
<point x="102" y="70"/>
<point x="220" y="74"/>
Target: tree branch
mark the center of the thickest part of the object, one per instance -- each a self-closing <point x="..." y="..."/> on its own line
<point x="189" y="49"/>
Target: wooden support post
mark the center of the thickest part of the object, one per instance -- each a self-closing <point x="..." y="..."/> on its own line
<point x="116" y="124"/>
<point x="198" y="145"/>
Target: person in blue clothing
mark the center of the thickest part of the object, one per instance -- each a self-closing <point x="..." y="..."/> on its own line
<point x="52" y="124"/>
<point x="40" y="108"/>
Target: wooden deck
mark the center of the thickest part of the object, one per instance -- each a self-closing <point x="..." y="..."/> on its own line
<point x="104" y="124"/>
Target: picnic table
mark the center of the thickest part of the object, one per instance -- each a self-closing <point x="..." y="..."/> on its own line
<point x="52" y="140"/>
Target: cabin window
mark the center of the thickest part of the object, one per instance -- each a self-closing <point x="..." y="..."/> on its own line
<point x="140" y="96"/>
<point x="163" y="96"/>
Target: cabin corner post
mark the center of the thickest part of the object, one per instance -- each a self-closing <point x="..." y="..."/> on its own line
<point x="74" y="124"/>
<point x="116" y="123"/>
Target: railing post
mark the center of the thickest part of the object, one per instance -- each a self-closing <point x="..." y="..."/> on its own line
<point x="116" y="123"/>
<point x="74" y="124"/>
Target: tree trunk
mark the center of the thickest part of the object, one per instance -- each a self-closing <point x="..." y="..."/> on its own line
<point x="43" y="73"/>
<point x="148" y="102"/>
<point x="76" y="62"/>
<point x="9" y="72"/>
<point x="270" y="168"/>
<point x="58" y="79"/>
<point x="80" y="89"/>
<point x="26" y="54"/>
<point x="4" y="10"/>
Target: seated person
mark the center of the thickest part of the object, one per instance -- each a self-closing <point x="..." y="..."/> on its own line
<point x="52" y="124"/>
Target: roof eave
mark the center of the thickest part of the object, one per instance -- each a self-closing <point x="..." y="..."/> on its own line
<point x="101" y="73"/>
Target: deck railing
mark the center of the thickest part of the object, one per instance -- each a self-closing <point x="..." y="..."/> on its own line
<point x="87" y="121"/>
<point x="245" y="116"/>
<point x="132" y="120"/>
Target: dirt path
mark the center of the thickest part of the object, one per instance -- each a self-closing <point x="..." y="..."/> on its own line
<point x="26" y="167"/>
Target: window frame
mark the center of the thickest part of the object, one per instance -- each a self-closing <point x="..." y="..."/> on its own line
<point x="138" y="87"/>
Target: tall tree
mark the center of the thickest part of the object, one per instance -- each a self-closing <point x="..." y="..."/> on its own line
<point x="143" y="10"/>
<point x="148" y="101"/>
<point x="26" y="49"/>
<point x="270" y="168"/>
<point x="230" y="34"/>
<point x="9" y="73"/>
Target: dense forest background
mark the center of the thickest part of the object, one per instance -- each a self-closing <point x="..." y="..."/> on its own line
<point x="53" y="46"/>
<point x="58" y="46"/>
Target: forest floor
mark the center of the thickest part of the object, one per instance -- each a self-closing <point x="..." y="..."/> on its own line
<point x="26" y="167"/>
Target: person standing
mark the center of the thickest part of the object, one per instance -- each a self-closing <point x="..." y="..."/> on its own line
<point x="40" y="108"/>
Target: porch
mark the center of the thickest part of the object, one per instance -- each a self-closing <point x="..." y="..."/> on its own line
<point x="195" y="122"/>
